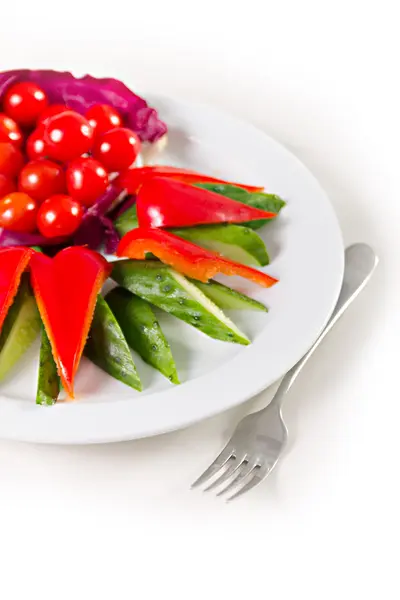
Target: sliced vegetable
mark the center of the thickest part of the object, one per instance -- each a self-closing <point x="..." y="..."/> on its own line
<point x="66" y="289"/>
<point x="227" y="298"/>
<point x="167" y="203"/>
<point x="185" y="257"/>
<point x="170" y="291"/>
<point x="107" y="347"/>
<point x="80" y="94"/>
<point x="142" y="331"/>
<point x="48" y="387"/>
<point x="263" y="201"/>
<point x="106" y="202"/>
<point x="97" y="231"/>
<point x="20" y="328"/>
<point x="235" y="242"/>
<point x="96" y="228"/>
<point x="132" y="179"/>
<point x="13" y="262"/>
<point x="127" y="221"/>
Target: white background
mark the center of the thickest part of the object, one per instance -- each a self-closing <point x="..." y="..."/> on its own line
<point x="119" y="521"/>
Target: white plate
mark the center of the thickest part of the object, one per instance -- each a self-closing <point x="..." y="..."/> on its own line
<point x="306" y="249"/>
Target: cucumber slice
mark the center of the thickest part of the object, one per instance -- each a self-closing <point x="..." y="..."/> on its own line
<point x="127" y="221"/>
<point x="20" y="328"/>
<point x="107" y="348"/>
<point x="226" y="297"/>
<point x="162" y="286"/>
<point x="142" y="331"/>
<point x="238" y="243"/>
<point x="48" y="387"/>
<point x="269" y="202"/>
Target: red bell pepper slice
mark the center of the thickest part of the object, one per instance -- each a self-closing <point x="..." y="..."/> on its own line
<point x="166" y="203"/>
<point x="132" y="179"/>
<point x="185" y="257"/>
<point x="66" y="289"/>
<point x="13" y="262"/>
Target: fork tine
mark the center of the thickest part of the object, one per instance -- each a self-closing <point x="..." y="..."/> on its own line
<point x="255" y="480"/>
<point x="232" y="467"/>
<point x="218" y="463"/>
<point x="259" y="474"/>
<point x="244" y="472"/>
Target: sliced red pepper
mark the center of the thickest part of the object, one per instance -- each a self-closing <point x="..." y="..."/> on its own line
<point x="66" y="289"/>
<point x="185" y="257"/>
<point x="13" y="262"/>
<point x="132" y="179"/>
<point x="166" y="203"/>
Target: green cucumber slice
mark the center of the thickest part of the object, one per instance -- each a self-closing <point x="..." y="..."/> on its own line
<point x="235" y="242"/>
<point x="127" y="221"/>
<point x="226" y="297"/>
<point x="20" y="328"/>
<point x="269" y="202"/>
<point x="142" y="331"/>
<point x="107" y="348"/>
<point x="162" y="286"/>
<point x="48" y="387"/>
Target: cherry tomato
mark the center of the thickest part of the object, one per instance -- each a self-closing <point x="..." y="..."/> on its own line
<point x="59" y="215"/>
<point x="51" y="111"/>
<point x="24" y="102"/>
<point x="18" y="212"/>
<point x="35" y="146"/>
<point x="67" y="136"/>
<point x="9" y="131"/>
<point x="103" y="117"/>
<point x="117" y="149"/>
<point x="87" y="179"/>
<point x="41" y="179"/>
<point x="11" y="160"/>
<point x="7" y="185"/>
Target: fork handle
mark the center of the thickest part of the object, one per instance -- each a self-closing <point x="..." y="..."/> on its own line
<point x="360" y="263"/>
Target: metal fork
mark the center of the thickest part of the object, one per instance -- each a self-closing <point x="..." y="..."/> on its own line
<point x="257" y="442"/>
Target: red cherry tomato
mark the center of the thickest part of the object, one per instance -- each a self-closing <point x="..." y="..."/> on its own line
<point x="11" y="160"/>
<point x="35" y="146"/>
<point x="51" y="111"/>
<point x="42" y="179"/>
<point x="67" y="136"/>
<point x="103" y="117"/>
<point x="9" y="131"/>
<point x="24" y="102"/>
<point x="87" y="179"/>
<point x="18" y="212"/>
<point x="7" y="185"/>
<point x="117" y="149"/>
<point x="59" y="215"/>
